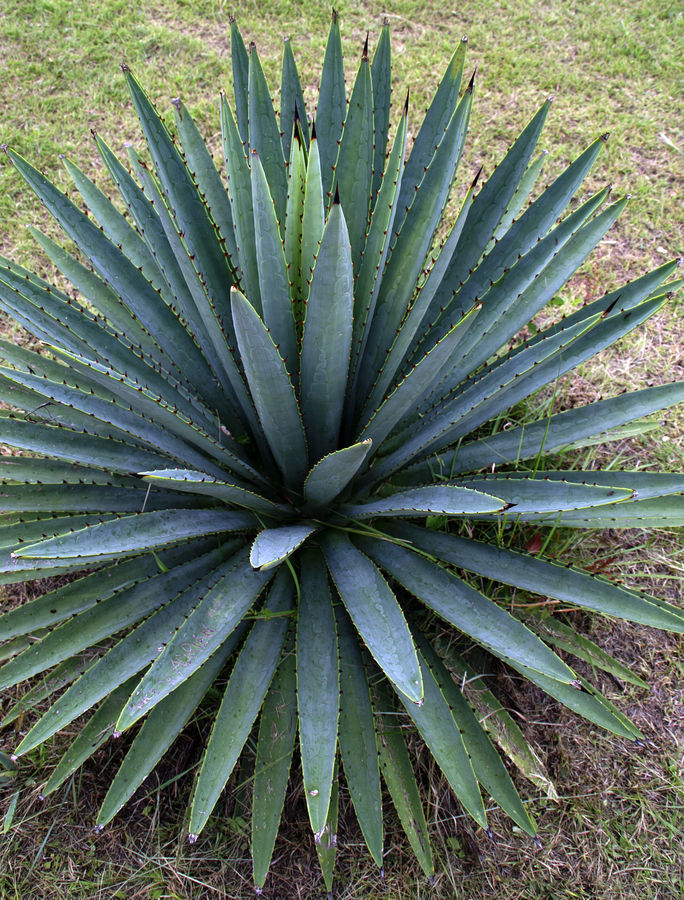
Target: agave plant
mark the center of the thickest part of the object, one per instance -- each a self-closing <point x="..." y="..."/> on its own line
<point x="266" y="433"/>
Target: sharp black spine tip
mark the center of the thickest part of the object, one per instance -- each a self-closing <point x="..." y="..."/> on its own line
<point x="124" y="66"/>
<point x="335" y="15"/>
<point x="313" y="130"/>
<point x="364" y="52"/>
<point x="336" y="199"/>
<point x="471" y="83"/>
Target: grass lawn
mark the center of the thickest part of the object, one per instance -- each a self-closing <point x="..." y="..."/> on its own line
<point x="615" y="831"/>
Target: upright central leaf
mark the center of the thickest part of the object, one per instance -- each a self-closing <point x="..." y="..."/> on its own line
<point x="326" y="346"/>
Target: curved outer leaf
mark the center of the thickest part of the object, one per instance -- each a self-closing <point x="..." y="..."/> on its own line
<point x="275" y="747"/>
<point x="291" y="99"/>
<point x="486" y="762"/>
<point x="416" y="386"/>
<point x="240" y="62"/>
<point x="201" y="167"/>
<point x="88" y="498"/>
<point x="75" y="597"/>
<point x="94" y="733"/>
<point x="264" y="135"/>
<point x="318" y="688"/>
<point x="326" y="846"/>
<point x="498" y="723"/>
<point x="105" y="618"/>
<point x="375" y="612"/>
<point x="132" y="654"/>
<point x="200" y="484"/>
<point x="541" y="576"/>
<point x="663" y="512"/>
<point x="242" y="701"/>
<point x="405" y="260"/>
<point x="326" y="345"/>
<point x="561" y="635"/>
<point x="534" y="494"/>
<point x="437" y="727"/>
<point x="487" y="209"/>
<point x="273" y="545"/>
<point x="358" y="740"/>
<point x="369" y="276"/>
<point x="397" y="774"/>
<point x="274" y="284"/>
<point x="436" y="499"/>
<point x="469" y="610"/>
<point x="331" y="474"/>
<point x="135" y="291"/>
<point x="187" y="204"/>
<point x="67" y="444"/>
<point x="381" y="78"/>
<point x="529" y="285"/>
<point x="240" y="195"/>
<point x="354" y="167"/>
<point x="332" y="105"/>
<point x="433" y="127"/>
<point x="551" y="433"/>
<point x="62" y="675"/>
<point x="136" y="534"/>
<point x="159" y="730"/>
<point x="271" y="390"/>
<point x="214" y="620"/>
<point x="586" y="702"/>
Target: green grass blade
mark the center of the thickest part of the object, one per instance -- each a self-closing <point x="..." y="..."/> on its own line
<point x="318" y="688"/>
<point x="275" y="747"/>
<point x="375" y="612"/>
<point x="461" y="605"/>
<point x="272" y="391"/>
<point x="358" y="741"/>
<point x="242" y="701"/>
<point x="326" y="345"/>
